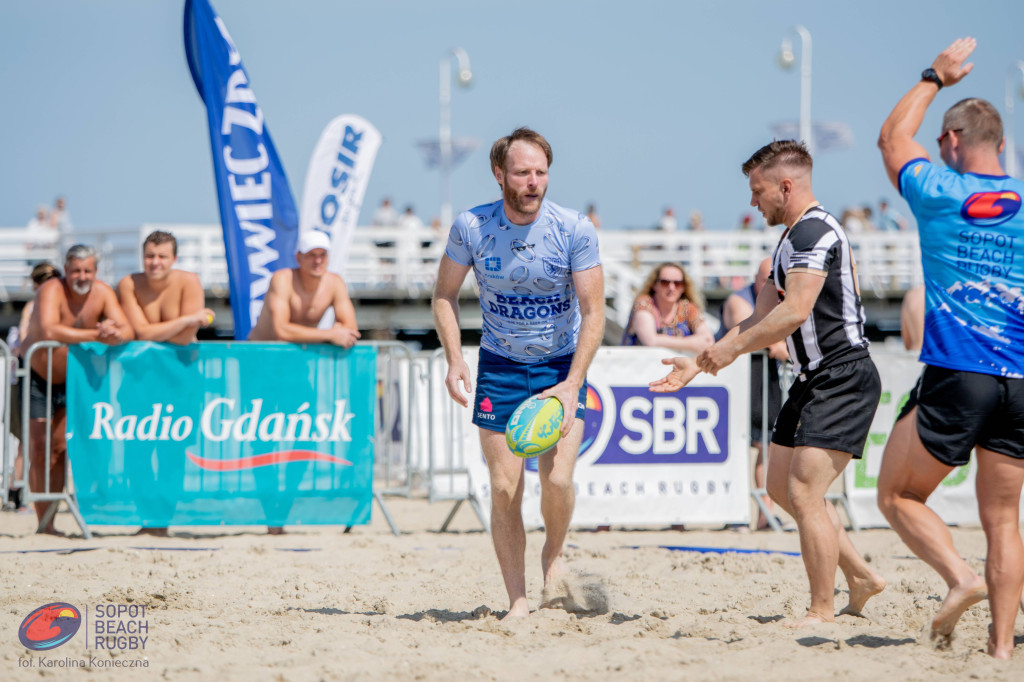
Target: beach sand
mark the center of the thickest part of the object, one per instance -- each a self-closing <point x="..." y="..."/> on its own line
<point x="232" y="603"/>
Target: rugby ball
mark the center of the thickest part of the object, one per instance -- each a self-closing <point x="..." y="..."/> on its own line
<point x="534" y="427"/>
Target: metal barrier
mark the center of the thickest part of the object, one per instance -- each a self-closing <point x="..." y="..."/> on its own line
<point x="46" y="495"/>
<point x="6" y="456"/>
<point x="447" y="474"/>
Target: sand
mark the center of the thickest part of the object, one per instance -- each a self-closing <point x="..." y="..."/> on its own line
<point x="233" y="603"/>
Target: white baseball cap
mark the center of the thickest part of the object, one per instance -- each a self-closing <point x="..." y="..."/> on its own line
<point x="313" y="239"/>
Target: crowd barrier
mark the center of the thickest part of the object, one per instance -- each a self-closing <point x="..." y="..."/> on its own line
<point x="646" y="459"/>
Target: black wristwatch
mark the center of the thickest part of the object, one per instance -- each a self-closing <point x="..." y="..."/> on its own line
<point x="929" y="74"/>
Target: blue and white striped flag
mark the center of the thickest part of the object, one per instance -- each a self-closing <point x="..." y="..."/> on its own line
<point x="257" y="210"/>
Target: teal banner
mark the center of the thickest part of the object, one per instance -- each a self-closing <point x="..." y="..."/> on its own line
<point x="222" y="433"/>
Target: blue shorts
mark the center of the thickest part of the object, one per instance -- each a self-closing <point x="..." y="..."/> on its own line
<point x="502" y="384"/>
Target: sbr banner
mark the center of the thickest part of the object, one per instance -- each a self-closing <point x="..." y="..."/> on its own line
<point x="648" y="458"/>
<point x="221" y="433"/>
<point x="257" y="211"/>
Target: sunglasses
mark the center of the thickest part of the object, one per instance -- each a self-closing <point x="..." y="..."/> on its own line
<point x="946" y="133"/>
<point x="670" y="282"/>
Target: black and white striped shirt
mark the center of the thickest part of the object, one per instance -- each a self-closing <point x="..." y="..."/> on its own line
<point x="834" y="331"/>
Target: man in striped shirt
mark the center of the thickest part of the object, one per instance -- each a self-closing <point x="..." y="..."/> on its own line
<point x="812" y="300"/>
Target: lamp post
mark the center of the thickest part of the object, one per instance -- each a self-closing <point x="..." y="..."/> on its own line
<point x="1011" y="151"/>
<point x="464" y="77"/>
<point x="786" y="59"/>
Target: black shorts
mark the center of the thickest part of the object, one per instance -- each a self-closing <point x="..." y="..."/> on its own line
<point x="957" y="410"/>
<point x="831" y="408"/>
<point x="37" y="397"/>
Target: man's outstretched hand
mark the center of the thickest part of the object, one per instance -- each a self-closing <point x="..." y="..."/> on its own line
<point x="683" y="371"/>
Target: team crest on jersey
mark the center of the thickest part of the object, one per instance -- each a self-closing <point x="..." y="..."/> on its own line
<point x="987" y="209"/>
<point x="492" y="264"/>
<point x="554" y="268"/>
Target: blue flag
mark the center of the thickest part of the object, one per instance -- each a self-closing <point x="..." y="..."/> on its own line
<point x="257" y="210"/>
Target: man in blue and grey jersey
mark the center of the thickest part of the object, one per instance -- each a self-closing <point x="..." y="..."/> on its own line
<point x="542" y="296"/>
<point x="812" y="300"/>
<point x="971" y="393"/>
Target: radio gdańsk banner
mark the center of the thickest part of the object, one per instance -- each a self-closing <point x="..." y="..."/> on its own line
<point x="257" y="211"/>
<point x="336" y="180"/>
<point x="222" y="433"/>
<point x="646" y="458"/>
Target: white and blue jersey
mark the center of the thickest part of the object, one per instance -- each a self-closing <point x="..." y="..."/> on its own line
<point x="530" y="308"/>
<point x="971" y="230"/>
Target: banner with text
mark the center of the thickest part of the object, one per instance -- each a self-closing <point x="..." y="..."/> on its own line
<point x="336" y="180"/>
<point x="257" y="211"/>
<point x="222" y="433"/>
<point x="648" y="458"/>
<point x="954" y="500"/>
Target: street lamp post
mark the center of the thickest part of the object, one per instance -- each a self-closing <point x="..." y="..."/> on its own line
<point x="1011" y="151"/>
<point x="786" y="59"/>
<point x="464" y="77"/>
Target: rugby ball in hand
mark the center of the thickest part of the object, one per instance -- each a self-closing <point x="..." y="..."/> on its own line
<point x="534" y="427"/>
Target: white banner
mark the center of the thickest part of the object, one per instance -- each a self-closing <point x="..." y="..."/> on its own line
<point x="336" y="180"/>
<point x="954" y="500"/>
<point x="647" y="458"/>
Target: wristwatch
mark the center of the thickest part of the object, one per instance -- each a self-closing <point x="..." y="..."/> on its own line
<point x="929" y="74"/>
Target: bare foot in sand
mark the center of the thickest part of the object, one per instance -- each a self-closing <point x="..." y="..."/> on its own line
<point x="51" y="531"/>
<point x="862" y="589"/>
<point x="275" y="530"/>
<point x="959" y="599"/>
<point x="807" y="621"/>
<point x="519" y="609"/>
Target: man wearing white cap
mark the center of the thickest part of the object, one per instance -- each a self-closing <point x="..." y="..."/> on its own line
<point x="299" y="297"/>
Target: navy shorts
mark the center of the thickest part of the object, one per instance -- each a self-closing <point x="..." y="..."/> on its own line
<point x="831" y="408"/>
<point x="502" y="384"/>
<point x="957" y="410"/>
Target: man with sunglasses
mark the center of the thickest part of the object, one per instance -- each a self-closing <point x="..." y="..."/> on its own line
<point x="971" y="394"/>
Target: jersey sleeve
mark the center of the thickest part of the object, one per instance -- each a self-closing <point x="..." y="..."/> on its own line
<point x="459" y="247"/>
<point x="584" y="252"/>
<point x="919" y="183"/>
<point x="812" y="247"/>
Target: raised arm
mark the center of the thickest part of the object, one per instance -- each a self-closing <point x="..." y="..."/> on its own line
<point x="896" y="140"/>
<point x="450" y="276"/>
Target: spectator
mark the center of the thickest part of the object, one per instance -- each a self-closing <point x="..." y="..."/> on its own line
<point x="668" y="222"/>
<point x="40" y="224"/>
<point x="167" y="305"/>
<point x="668" y="312"/>
<point x="299" y="297"/>
<point x="409" y="220"/>
<point x="696" y="222"/>
<point x="385" y="215"/>
<point x="889" y="220"/>
<point x="60" y="219"/>
<point x="594" y="218"/>
<point x="75" y="308"/>
<point x="41" y="273"/>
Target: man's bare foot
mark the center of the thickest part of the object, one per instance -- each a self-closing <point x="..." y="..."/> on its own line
<point x="51" y="531"/>
<point x="959" y="599"/>
<point x="862" y="589"/>
<point x="810" y="619"/>
<point x="520" y="608"/>
<point x="155" y="532"/>
<point x="275" y="530"/>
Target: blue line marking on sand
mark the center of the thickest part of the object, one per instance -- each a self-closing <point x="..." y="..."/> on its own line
<point x="716" y="550"/>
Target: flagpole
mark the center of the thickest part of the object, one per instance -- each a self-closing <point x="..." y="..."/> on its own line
<point x="786" y="59"/>
<point x="1010" y="151"/>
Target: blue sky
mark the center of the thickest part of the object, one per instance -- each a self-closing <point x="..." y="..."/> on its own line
<point x="646" y="104"/>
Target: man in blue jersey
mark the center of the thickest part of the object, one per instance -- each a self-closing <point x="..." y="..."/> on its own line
<point x="542" y="296"/>
<point x="971" y="394"/>
<point x="811" y="300"/>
